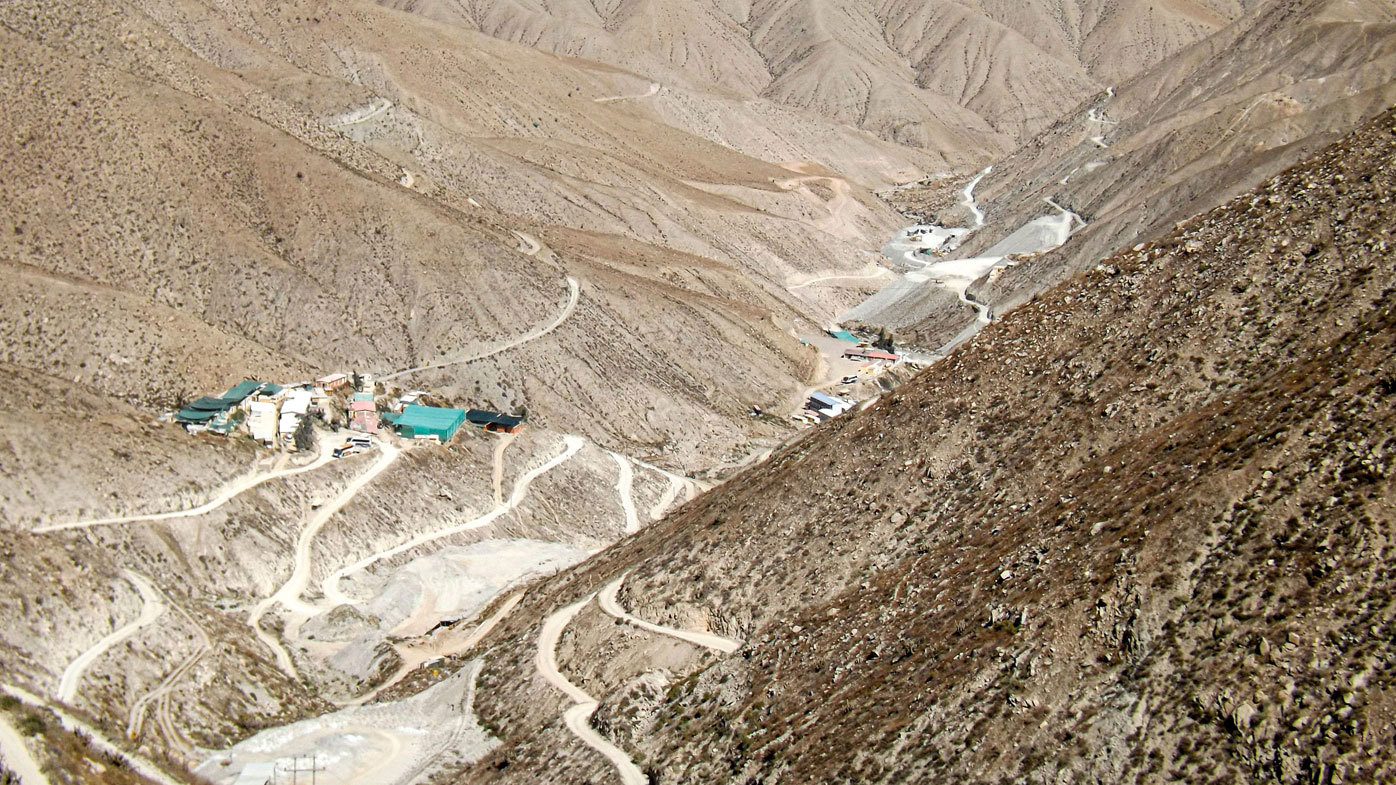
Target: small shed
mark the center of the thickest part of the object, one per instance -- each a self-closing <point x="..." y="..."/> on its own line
<point x="820" y="402"/>
<point x="493" y="421"/>
<point x="421" y="422"/>
<point x="332" y="382"/>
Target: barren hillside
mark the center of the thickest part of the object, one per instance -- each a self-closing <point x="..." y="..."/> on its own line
<point x="199" y="193"/>
<point x="908" y="70"/>
<point x="1134" y="531"/>
<point x="1210" y="121"/>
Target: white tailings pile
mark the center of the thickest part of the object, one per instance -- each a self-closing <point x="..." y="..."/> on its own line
<point x="903" y="301"/>
<point x="457" y="582"/>
<point x="388" y="743"/>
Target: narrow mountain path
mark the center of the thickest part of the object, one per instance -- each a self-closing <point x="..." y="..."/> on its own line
<point x="290" y="591"/>
<point x="671" y="494"/>
<point x="578" y="716"/>
<point x="880" y="272"/>
<point x="439" y="645"/>
<point x="137" y="763"/>
<point x="229" y="492"/>
<point x="609" y="603"/>
<point x="497" y="471"/>
<point x="653" y="90"/>
<point x="153" y="607"/>
<point x="334" y="596"/>
<point x="625" y="487"/>
<point x="573" y="293"/>
<point x="135" y="718"/>
<point x="14" y="754"/>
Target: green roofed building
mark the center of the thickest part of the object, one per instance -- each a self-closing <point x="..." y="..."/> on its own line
<point x="240" y="391"/>
<point x="418" y="422"/>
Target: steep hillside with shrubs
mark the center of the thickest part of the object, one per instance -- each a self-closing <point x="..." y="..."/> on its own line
<point x="1137" y="531"/>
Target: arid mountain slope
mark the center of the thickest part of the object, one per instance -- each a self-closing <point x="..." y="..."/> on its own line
<point x="1135" y="531"/>
<point x="201" y="192"/>
<point x="899" y="68"/>
<point x="1201" y="126"/>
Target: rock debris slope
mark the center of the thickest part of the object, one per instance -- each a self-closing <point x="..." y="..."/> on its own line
<point x="1135" y="531"/>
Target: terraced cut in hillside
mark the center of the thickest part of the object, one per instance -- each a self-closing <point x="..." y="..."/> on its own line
<point x="1135" y="531"/>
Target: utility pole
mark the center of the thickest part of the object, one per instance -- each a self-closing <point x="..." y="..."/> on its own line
<point x="314" y="769"/>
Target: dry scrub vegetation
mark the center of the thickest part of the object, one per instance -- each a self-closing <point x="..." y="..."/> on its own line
<point x="1136" y="531"/>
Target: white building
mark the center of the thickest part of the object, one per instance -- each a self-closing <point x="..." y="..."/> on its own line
<point x="261" y="421"/>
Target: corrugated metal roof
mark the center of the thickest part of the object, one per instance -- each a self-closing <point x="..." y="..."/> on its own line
<point x="297" y="402"/>
<point x="482" y="417"/>
<point x="194" y="415"/>
<point x="210" y="404"/>
<point x="241" y="390"/>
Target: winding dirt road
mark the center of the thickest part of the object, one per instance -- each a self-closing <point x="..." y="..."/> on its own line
<point x="330" y="586"/>
<point x="442" y="644"/>
<point x="653" y="90"/>
<point x="839" y="222"/>
<point x="662" y="505"/>
<point x="625" y="486"/>
<point x="72" y="724"/>
<point x="574" y="291"/>
<point x="153" y="607"/>
<point x="229" y="492"/>
<point x="611" y="605"/>
<point x="578" y="716"/>
<point x="290" y="591"/>
<point x="15" y="755"/>
<point x="160" y="695"/>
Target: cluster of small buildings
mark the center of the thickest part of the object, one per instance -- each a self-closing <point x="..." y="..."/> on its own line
<point x="271" y="413"/>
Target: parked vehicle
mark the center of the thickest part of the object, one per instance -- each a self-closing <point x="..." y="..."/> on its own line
<point x="354" y="446"/>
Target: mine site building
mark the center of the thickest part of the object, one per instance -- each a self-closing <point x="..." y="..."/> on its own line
<point x="494" y="422"/>
<point x="427" y="422"/>
<point x="261" y="421"/>
<point x="212" y="412"/>
<point x="828" y="405"/>
<point x="363" y="414"/>
<point x="870" y="354"/>
<point x="332" y="382"/>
